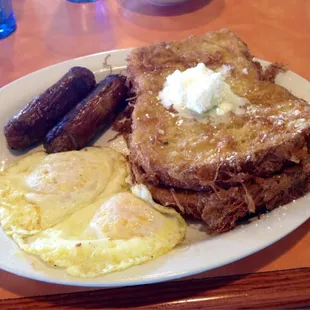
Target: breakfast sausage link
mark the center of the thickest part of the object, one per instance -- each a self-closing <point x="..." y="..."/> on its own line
<point x="92" y="115"/>
<point x="32" y="123"/>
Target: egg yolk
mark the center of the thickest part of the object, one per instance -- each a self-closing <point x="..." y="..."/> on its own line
<point x="58" y="176"/>
<point x="125" y="216"/>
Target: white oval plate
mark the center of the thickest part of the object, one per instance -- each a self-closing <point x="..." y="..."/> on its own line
<point x="198" y="253"/>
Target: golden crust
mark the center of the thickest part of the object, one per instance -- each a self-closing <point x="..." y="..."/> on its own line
<point x="273" y="133"/>
<point x="221" y="208"/>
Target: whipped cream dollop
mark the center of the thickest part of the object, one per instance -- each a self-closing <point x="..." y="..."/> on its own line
<point x="200" y="91"/>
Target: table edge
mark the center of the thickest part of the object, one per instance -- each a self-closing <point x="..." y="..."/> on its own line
<point x="272" y="290"/>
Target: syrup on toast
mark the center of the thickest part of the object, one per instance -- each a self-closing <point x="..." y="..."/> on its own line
<point x="272" y="134"/>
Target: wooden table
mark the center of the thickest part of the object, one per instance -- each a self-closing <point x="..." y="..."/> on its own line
<point x="53" y="31"/>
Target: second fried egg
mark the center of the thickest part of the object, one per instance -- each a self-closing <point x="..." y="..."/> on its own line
<point x="114" y="234"/>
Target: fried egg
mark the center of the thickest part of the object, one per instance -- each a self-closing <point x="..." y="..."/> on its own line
<point x="111" y="235"/>
<point x="39" y="190"/>
<point x="77" y="211"/>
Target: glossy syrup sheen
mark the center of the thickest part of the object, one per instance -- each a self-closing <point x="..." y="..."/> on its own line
<point x="271" y="116"/>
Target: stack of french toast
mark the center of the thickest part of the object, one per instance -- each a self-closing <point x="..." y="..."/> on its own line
<point x="220" y="172"/>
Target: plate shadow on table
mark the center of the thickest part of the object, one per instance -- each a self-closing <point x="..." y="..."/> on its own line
<point x="139" y="17"/>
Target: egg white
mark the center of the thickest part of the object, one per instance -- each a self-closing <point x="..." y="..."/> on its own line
<point x="39" y="190"/>
<point x="75" y="210"/>
<point x="114" y="234"/>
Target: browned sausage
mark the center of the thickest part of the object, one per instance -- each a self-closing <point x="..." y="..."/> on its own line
<point x="32" y="123"/>
<point x="95" y="113"/>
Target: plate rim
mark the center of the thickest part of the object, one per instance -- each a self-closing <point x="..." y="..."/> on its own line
<point x="174" y="276"/>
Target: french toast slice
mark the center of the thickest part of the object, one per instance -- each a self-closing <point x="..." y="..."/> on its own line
<point x="221" y="209"/>
<point x="272" y="134"/>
